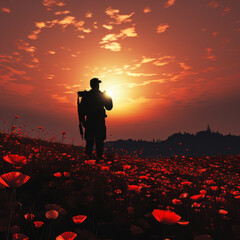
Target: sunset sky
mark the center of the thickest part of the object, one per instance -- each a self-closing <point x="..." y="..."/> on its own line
<point x="171" y="65"/>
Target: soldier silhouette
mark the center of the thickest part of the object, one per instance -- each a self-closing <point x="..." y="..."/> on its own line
<point x="92" y="114"/>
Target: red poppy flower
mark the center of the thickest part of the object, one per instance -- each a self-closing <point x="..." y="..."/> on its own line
<point x="120" y="173"/>
<point x="202" y="170"/>
<point x="223" y="212"/>
<point x="62" y="211"/>
<point x="57" y="174"/>
<point x="195" y="204"/>
<point x="66" y="174"/>
<point x="29" y="216"/>
<point x="79" y="218"/>
<point x="67" y="236"/>
<point x="186" y="183"/>
<point x="184" y="195"/>
<point x="104" y="168"/>
<point x="166" y="216"/>
<point x="210" y="181"/>
<point x="177" y="201"/>
<point x="51" y="214"/>
<point x="118" y="191"/>
<point x="38" y="224"/>
<point x="126" y="167"/>
<point x="203" y="192"/>
<point x="90" y="162"/>
<point x="19" y="236"/>
<point x="197" y="197"/>
<point x="134" y="188"/>
<point x="144" y="177"/>
<point x="181" y="222"/>
<point x="16" y="160"/>
<point x="13" y="179"/>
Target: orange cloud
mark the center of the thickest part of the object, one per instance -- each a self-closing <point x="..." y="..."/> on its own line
<point x="61" y="12"/>
<point x="67" y="21"/>
<point x="86" y="30"/>
<point x="184" y="66"/>
<point x="208" y="54"/>
<point x="61" y="99"/>
<point x="109" y="37"/>
<point x="169" y="3"/>
<point x="113" y="46"/>
<point x="14" y="71"/>
<point x="6" y="58"/>
<point x="215" y="34"/>
<point x="181" y="76"/>
<point x="226" y="10"/>
<point x="29" y="65"/>
<point x="34" y="34"/>
<point x="162" y="28"/>
<point x="213" y="4"/>
<point x="163" y="60"/>
<point x="49" y="76"/>
<point x="159" y="63"/>
<point x="146" y="60"/>
<point x="25" y="46"/>
<point x="35" y="60"/>
<point x="144" y="83"/>
<point x="128" y="32"/>
<point x="20" y="89"/>
<point x="141" y="74"/>
<point x="111" y="12"/>
<point x="147" y="10"/>
<point x="112" y="37"/>
<point x="51" y="3"/>
<point x="51" y="52"/>
<point x="95" y="25"/>
<point x="6" y="10"/>
<point x="40" y="24"/>
<point x="109" y="27"/>
<point x="119" y="19"/>
<point x="88" y="14"/>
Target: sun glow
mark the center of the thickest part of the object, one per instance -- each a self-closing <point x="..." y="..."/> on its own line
<point x="113" y="87"/>
<point x="117" y="88"/>
<point x="110" y="93"/>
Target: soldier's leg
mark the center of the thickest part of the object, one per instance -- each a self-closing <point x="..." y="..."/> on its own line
<point x="99" y="147"/>
<point x="89" y="147"/>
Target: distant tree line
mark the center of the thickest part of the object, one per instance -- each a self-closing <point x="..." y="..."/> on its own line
<point x="203" y="143"/>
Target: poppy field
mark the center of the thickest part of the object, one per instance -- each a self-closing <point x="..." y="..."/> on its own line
<point x="53" y="191"/>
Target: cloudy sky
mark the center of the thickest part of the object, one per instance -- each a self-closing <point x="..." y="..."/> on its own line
<point x="170" y="65"/>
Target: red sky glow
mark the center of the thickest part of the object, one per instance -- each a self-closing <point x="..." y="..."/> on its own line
<point x="171" y="65"/>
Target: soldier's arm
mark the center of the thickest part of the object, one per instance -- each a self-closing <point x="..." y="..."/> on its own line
<point x="107" y="102"/>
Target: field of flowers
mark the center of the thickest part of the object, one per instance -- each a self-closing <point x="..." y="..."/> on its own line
<point x="52" y="191"/>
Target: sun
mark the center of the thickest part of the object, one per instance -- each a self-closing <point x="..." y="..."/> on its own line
<point x="110" y="93"/>
<point x="115" y="87"/>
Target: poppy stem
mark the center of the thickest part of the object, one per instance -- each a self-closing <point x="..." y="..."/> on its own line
<point x="10" y="213"/>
